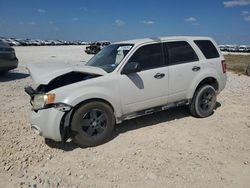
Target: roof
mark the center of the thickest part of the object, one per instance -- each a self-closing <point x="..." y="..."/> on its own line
<point x="162" y="39"/>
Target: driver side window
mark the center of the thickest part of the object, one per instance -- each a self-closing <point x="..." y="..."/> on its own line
<point x="149" y="56"/>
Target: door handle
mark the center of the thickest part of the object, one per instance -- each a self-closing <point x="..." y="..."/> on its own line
<point x="159" y="75"/>
<point x="195" y="68"/>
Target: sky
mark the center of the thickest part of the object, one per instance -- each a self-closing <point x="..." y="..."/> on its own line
<point x="228" y="21"/>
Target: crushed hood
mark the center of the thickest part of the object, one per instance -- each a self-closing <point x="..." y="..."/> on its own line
<point x="44" y="73"/>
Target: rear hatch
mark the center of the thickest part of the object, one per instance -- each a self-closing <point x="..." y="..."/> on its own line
<point x="7" y="53"/>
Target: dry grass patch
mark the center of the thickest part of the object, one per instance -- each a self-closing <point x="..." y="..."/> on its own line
<point x="237" y="63"/>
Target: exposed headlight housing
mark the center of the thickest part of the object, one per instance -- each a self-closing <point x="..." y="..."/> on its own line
<point x="41" y="101"/>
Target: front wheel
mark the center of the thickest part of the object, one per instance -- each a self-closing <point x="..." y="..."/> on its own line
<point x="203" y="102"/>
<point x="92" y="124"/>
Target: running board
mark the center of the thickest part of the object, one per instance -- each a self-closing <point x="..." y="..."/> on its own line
<point x="153" y="110"/>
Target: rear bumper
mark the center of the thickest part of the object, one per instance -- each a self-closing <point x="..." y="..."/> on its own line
<point x="8" y="64"/>
<point x="47" y="122"/>
<point x="223" y="82"/>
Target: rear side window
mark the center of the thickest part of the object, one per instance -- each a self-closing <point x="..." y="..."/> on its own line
<point x="180" y="52"/>
<point x="207" y="48"/>
<point x="149" y="56"/>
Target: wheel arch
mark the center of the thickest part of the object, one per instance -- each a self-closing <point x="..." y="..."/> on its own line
<point x="67" y="118"/>
<point x="209" y="80"/>
<point x="93" y="100"/>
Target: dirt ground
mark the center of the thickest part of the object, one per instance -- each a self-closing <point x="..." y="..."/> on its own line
<point x="167" y="149"/>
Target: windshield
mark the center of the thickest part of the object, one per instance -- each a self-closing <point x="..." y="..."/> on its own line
<point x="110" y="57"/>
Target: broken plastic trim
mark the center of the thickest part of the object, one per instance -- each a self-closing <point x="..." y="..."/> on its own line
<point x="30" y="91"/>
<point x="62" y="107"/>
<point x="59" y="106"/>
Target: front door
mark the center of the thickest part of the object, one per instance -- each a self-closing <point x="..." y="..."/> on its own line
<point x="149" y="87"/>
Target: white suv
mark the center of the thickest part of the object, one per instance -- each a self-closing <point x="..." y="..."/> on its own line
<point x="123" y="81"/>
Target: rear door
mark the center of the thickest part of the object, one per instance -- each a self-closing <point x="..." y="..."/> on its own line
<point x="184" y="65"/>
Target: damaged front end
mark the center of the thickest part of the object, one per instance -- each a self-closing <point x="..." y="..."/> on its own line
<point x="50" y="116"/>
<point x="48" y="77"/>
<point x="41" y="98"/>
<point x="47" y="113"/>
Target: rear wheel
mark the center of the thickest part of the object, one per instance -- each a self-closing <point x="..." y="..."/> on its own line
<point x="92" y="124"/>
<point x="203" y="102"/>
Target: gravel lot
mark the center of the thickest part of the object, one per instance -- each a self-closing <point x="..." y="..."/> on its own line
<point x="167" y="149"/>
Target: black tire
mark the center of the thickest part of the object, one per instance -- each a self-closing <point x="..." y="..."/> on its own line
<point x="92" y="124"/>
<point x="203" y="102"/>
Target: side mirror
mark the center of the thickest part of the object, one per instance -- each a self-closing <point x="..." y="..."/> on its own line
<point x="131" y="67"/>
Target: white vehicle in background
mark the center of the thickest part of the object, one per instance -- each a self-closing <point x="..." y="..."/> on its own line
<point x="227" y="48"/>
<point x="248" y="49"/>
<point x="242" y="48"/>
<point x="222" y="48"/>
<point x="48" y="42"/>
<point x="232" y="48"/>
<point x="125" y="80"/>
<point x="83" y="43"/>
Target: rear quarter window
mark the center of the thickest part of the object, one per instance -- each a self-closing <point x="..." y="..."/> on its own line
<point x="208" y="49"/>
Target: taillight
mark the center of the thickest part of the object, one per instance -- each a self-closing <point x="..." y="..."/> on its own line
<point x="224" y="66"/>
